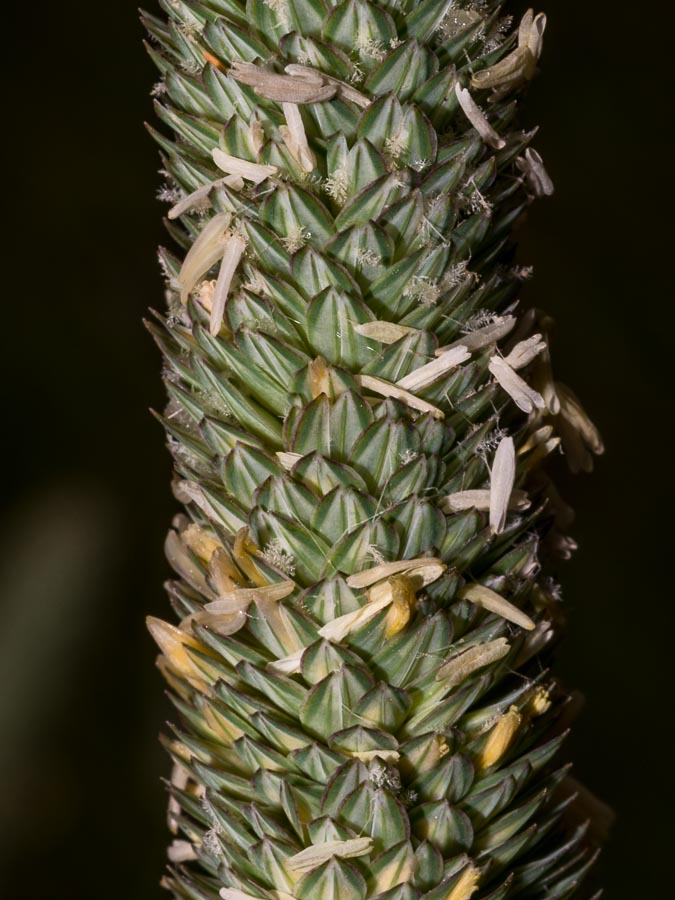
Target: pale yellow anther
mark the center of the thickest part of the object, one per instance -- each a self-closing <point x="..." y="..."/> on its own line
<point x="443" y="746"/>
<point x="539" y="703"/>
<point x="319" y="377"/>
<point x="224" y="574"/>
<point x="181" y="851"/>
<point x="382" y="571"/>
<point x="344" y="90"/>
<point x="205" y="293"/>
<point x="239" y="598"/>
<point x="492" y="601"/>
<point x="463" y="664"/>
<point x="467" y="884"/>
<point x="384" y="332"/>
<point x="426" y="375"/>
<point x="387" y="389"/>
<point x="282" y="88"/>
<point x="233" y="250"/>
<point x="500" y="738"/>
<point x="200" y="542"/>
<point x="243" y="551"/>
<point x="204" y="253"/>
<point x="174" y="644"/>
<point x="536" y="438"/>
<point x="242" y="168"/>
<point x="403" y="604"/>
<point x="294" y="136"/>
<point x="180" y="688"/>
<point x="317" y="854"/>
<point x="225" y="731"/>
<point x="390" y="756"/>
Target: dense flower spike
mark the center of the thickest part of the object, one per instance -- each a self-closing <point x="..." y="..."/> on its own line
<point x="359" y="414"/>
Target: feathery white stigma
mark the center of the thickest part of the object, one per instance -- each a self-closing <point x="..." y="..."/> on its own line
<point x="477" y="118"/>
<point x="204" y="253"/>
<point x="432" y="371"/>
<point x="501" y="483"/>
<point x="233" y="249"/>
<point x="525" y="397"/>
<point x="198" y="199"/>
<point x="242" y="168"/>
<point x="295" y="138"/>
<point x="536" y="177"/>
<point x="309" y="859"/>
<point x="365" y="257"/>
<point x="495" y="603"/>
<point x="336" y="184"/>
<point x="282" y="88"/>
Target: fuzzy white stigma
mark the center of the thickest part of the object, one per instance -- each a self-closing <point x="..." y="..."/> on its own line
<point x="280" y="9"/>
<point x="336" y="185"/>
<point x="276" y="554"/>
<point x="426" y="291"/>
<point x="295" y="238"/>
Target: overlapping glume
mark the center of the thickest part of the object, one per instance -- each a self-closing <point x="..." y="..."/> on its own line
<point x="359" y="412"/>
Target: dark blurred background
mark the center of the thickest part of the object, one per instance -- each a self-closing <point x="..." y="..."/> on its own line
<point x="86" y="482"/>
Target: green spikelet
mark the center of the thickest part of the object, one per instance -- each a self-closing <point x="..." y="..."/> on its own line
<point x="359" y="413"/>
